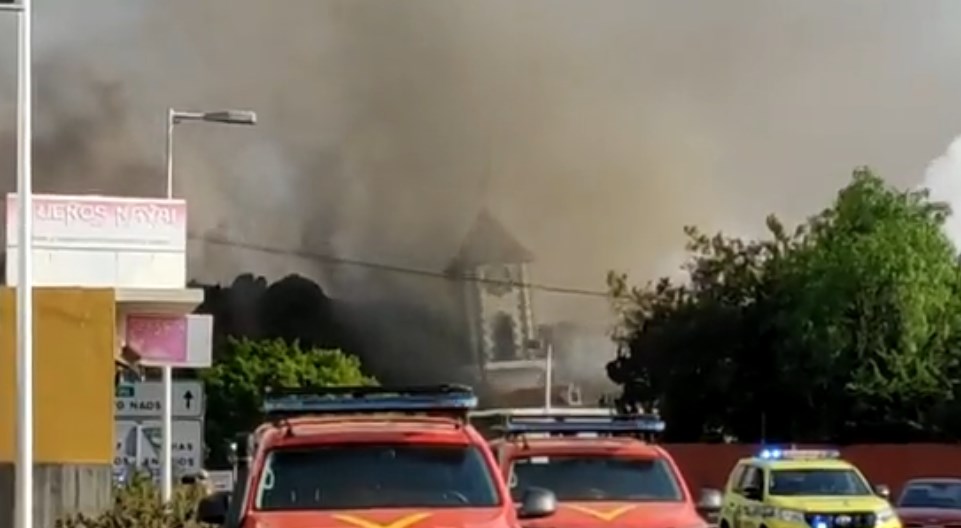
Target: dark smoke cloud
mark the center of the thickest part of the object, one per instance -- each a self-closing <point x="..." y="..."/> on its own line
<point x="595" y="129"/>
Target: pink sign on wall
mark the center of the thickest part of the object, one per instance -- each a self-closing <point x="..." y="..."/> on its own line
<point x="159" y="339"/>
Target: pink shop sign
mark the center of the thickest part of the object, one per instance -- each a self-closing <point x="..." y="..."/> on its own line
<point x="159" y="339"/>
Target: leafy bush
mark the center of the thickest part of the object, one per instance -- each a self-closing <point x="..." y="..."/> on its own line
<point x="137" y="505"/>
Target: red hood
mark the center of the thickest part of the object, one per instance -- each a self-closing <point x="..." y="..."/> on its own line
<point x="620" y="514"/>
<point x="383" y="518"/>
<point x="923" y="515"/>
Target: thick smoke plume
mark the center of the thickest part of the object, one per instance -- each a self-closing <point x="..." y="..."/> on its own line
<point x="943" y="180"/>
<point x="594" y="130"/>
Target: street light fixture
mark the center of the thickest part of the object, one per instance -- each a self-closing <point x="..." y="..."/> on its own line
<point x="227" y="117"/>
<point x="23" y="459"/>
<point x="224" y="117"/>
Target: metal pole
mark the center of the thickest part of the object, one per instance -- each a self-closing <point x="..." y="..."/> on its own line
<point x="166" y="420"/>
<point x="549" y="367"/>
<point x="171" y="121"/>
<point x="166" y="434"/>
<point x="137" y="446"/>
<point x="234" y="460"/>
<point x="23" y="496"/>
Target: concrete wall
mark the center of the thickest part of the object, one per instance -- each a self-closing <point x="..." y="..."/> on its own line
<point x="59" y="489"/>
<point x="74" y="340"/>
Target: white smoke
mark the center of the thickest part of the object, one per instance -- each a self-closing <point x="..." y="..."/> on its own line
<point x="943" y="179"/>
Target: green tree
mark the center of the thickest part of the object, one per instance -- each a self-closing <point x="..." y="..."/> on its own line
<point x="845" y="328"/>
<point x="876" y="287"/>
<point x="236" y="383"/>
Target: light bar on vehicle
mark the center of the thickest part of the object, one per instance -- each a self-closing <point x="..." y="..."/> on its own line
<point x="798" y="454"/>
<point x="443" y="399"/>
<point x="557" y="423"/>
<point x="505" y="413"/>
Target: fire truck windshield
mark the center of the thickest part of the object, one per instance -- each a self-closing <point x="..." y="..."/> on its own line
<point x="360" y="476"/>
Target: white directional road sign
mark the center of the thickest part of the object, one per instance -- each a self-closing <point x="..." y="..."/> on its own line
<point x="221" y="480"/>
<point x="144" y="400"/>
<point x="187" y="448"/>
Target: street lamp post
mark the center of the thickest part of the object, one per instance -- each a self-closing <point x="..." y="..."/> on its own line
<point x="23" y="493"/>
<point x="225" y="117"/>
<point x="549" y="376"/>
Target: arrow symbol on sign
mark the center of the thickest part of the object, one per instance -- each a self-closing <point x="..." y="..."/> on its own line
<point x="188" y="397"/>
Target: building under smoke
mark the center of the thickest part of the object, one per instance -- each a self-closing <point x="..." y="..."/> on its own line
<point x="493" y="295"/>
<point x="508" y="348"/>
<point x="475" y="323"/>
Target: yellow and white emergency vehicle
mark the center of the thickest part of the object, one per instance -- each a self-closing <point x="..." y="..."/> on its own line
<point x="801" y="488"/>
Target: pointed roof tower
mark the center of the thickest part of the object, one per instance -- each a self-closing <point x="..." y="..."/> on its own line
<point x="489" y="242"/>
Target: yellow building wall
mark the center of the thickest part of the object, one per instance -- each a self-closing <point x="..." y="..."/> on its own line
<point x="74" y="340"/>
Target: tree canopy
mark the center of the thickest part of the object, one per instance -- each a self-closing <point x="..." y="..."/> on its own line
<point x="845" y="328"/>
<point x="244" y="369"/>
<point x="293" y="308"/>
<point x="398" y="338"/>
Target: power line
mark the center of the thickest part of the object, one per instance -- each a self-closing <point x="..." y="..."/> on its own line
<point x="391" y="268"/>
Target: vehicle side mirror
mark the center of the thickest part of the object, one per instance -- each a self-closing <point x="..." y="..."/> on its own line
<point x="753" y="493"/>
<point x="537" y="503"/>
<point x="212" y="509"/>
<point x="709" y="503"/>
<point x="882" y="490"/>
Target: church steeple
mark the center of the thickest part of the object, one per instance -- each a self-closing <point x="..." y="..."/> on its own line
<point x="494" y="283"/>
<point x="488" y="242"/>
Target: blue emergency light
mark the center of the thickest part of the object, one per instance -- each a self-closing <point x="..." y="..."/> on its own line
<point x="774" y="453"/>
<point x="443" y="399"/>
<point x="574" y="424"/>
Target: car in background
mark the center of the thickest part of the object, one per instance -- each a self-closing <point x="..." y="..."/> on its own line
<point x="602" y="467"/>
<point x="930" y="503"/>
